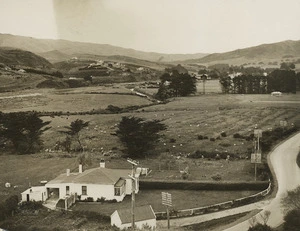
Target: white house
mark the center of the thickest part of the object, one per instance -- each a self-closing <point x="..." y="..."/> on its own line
<point x="93" y="183"/>
<point x="143" y="216"/>
<point x="37" y="193"/>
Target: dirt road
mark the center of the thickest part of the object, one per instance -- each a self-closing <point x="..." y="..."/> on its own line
<point x="283" y="160"/>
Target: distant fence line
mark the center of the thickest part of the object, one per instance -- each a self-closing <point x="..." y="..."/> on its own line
<point x="216" y="207"/>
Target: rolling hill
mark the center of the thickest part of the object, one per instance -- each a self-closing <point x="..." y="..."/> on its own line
<point x="279" y="51"/>
<point x="59" y="50"/>
<point x="18" y="57"/>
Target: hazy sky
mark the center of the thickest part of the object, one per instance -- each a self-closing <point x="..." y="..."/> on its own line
<point x="168" y="26"/>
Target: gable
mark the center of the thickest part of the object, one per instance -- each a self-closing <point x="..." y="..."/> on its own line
<point x="141" y="213"/>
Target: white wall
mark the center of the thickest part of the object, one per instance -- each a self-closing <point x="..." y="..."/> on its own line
<point x="35" y="194"/>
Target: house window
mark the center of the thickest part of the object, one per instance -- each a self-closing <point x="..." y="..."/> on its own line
<point x="117" y="191"/>
<point x="84" y="190"/>
<point x="67" y="190"/>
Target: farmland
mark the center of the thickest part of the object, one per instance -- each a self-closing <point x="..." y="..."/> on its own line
<point x="186" y="118"/>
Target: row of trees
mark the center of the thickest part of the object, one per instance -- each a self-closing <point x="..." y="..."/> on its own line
<point x="22" y="131"/>
<point x="278" y="80"/>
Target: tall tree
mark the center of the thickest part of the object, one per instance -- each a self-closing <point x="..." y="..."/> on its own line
<point x="74" y="130"/>
<point x="139" y="136"/>
<point x="23" y="130"/>
<point x="176" y="84"/>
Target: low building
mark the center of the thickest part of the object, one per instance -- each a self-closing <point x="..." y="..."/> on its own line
<point x="144" y="216"/>
<point x="96" y="183"/>
<point x="37" y="193"/>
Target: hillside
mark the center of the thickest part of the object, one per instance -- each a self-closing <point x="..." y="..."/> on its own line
<point x="48" y="48"/>
<point x="17" y="57"/>
<point x="266" y="52"/>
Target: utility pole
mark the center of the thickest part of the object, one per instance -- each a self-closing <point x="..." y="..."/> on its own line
<point x="132" y="176"/>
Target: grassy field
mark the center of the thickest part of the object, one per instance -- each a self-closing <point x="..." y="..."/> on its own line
<point x="186" y="118"/>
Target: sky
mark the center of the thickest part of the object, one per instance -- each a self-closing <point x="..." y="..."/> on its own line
<point x="165" y="26"/>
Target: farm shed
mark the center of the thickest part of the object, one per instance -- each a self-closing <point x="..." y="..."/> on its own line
<point x="37" y="193"/>
<point x="144" y="216"/>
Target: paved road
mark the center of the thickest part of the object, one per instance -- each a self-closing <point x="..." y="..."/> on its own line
<point x="283" y="160"/>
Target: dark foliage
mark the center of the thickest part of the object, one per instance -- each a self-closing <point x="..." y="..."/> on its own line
<point x="23" y="130"/>
<point x="176" y="84"/>
<point x="260" y="227"/>
<point x="8" y="207"/>
<point x="292" y="221"/>
<point x="139" y="136"/>
<point x="74" y="129"/>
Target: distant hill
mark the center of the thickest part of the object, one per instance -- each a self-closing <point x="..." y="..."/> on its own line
<point x="280" y="50"/>
<point x="50" y="48"/>
<point x="18" y="57"/>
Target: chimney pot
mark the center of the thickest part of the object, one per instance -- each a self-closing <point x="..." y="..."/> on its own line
<point x="102" y="163"/>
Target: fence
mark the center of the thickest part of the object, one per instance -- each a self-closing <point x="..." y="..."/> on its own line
<point x="215" y="207"/>
<point x="70" y="200"/>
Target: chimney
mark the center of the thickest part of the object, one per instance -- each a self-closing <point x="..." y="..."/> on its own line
<point x="80" y="168"/>
<point x="102" y="163"/>
<point x="68" y="172"/>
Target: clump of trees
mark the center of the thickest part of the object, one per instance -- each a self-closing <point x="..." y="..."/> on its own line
<point x="176" y="84"/>
<point x="278" y="80"/>
<point x="23" y="131"/>
<point x="138" y="135"/>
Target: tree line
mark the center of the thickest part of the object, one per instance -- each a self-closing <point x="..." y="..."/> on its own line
<point x="278" y="80"/>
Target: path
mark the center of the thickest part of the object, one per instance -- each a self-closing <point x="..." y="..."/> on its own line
<point x="283" y="160"/>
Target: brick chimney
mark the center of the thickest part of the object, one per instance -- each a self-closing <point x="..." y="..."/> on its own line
<point x="80" y="168"/>
<point x="68" y="172"/>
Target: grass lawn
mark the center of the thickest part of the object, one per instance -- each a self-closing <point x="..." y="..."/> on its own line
<point x="181" y="199"/>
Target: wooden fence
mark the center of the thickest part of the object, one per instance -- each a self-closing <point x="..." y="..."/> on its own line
<point x="216" y="207"/>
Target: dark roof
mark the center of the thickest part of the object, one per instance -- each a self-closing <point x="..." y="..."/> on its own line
<point x="104" y="176"/>
<point x="141" y="213"/>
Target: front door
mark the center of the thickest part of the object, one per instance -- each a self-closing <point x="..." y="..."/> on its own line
<point x="27" y="197"/>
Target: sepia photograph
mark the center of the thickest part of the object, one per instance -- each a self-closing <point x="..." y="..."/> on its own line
<point x="149" y="115"/>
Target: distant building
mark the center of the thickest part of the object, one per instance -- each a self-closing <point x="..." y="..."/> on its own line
<point x="143" y="216"/>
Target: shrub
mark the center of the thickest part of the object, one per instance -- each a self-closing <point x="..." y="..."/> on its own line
<point x="172" y="140"/>
<point x="200" y="137"/>
<point x="217" y="177"/>
<point x="89" y="199"/>
<point x="30" y="205"/>
<point x="212" y="139"/>
<point x="223" y="134"/>
<point x="260" y="227"/>
<point x="237" y="136"/>
<point x="291" y="220"/>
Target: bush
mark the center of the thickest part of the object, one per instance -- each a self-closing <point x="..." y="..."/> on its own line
<point x="217" y="177"/>
<point x="223" y="134"/>
<point x="291" y="220"/>
<point x="172" y="140"/>
<point x="237" y="136"/>
<point x="200" y="137"/>
<point x="260" y="227"/>
<point x="30" y="205"/>
<point x="212" y="139"/>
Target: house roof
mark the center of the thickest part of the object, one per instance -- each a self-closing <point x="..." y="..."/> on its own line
<point x="104" y="176"/>
<point x="141" y="213"/>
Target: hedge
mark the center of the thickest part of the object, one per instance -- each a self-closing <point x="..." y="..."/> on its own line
<point x="198" y="185"/>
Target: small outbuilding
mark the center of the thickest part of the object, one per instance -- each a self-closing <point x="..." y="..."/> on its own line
<point x="37" y="193"/>
<point x="144" y="216"/>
